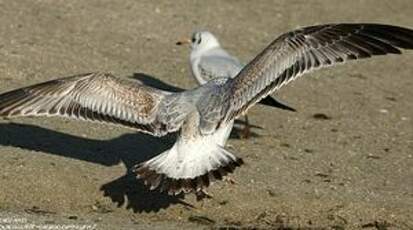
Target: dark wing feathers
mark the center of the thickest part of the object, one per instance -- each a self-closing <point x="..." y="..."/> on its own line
<point x="270" y="101"/>
<point x="310" y="48"/>
<point x="97" y="97"/>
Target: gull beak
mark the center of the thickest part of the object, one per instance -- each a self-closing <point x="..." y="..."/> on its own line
<point x="183" y="41"/>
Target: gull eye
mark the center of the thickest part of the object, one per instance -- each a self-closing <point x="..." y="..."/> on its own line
<point x="193" y="40"/>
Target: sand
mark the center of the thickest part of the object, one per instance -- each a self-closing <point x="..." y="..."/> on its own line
<point x="344" y="160"/>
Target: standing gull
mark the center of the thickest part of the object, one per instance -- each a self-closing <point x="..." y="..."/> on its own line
<point x="202" y="116"/>
<point x="209" y="60"/>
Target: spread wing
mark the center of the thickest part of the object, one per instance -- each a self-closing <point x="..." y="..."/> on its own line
<point x="300" y="51"/>
<point x="97" y="97"/>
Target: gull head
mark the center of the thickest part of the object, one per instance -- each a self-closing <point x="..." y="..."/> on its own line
<point x="201" y="41"/>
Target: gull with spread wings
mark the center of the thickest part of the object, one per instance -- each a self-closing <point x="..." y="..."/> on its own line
<point x="203" y="117"/>
<point x="209" y="60"/>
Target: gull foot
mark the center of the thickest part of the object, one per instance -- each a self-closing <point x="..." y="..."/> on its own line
<point x="229" y="180"/>
<point x="203" y="194"/>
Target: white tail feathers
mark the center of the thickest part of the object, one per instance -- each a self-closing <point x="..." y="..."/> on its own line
<point x="186" y="169"/>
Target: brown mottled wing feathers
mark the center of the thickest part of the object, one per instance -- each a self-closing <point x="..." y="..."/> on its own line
<point x="310" y="48"/>
<point x="97" y="97"/>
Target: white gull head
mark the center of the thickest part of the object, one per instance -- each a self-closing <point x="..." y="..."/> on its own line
<point x="202" y="41"/>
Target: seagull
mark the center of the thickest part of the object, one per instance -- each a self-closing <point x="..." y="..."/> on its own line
<point x="209" y="60"/>
<point x="202" y="117"/>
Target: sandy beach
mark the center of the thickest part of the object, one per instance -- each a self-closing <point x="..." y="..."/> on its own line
<point x="344" y="160"/>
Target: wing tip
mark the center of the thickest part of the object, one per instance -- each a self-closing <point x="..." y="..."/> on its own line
<point x="272" y="102"/>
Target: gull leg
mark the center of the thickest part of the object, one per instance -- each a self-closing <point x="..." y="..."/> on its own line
<point x="246" y="133"/>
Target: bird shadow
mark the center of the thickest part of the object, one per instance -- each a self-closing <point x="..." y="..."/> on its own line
<point x="156" y="83"/>
<point x="123" y="190"/>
